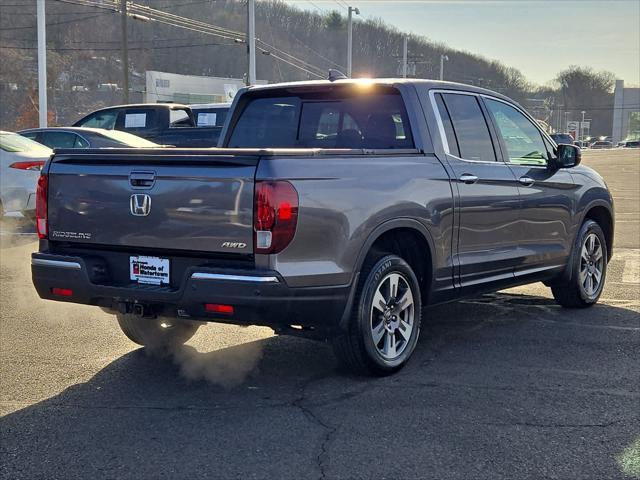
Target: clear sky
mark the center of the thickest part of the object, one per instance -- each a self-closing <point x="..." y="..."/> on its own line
<point x="538" y="37"/>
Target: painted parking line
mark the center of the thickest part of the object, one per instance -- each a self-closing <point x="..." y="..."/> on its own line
<point x="631" y="272"/>
<point x="630" y="259"/>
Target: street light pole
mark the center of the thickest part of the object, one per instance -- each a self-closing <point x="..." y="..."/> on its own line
<point x="352" y="10"/>
<point x="125" y="51"/>
<point x="42" y="66"/>
<point x="442" y="59"/>
<point x="251" y="41"/>
<point x="582" y="125"/>
<point x="405" y="49"/>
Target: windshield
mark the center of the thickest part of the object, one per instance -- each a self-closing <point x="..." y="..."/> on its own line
<point x="12" y="142"/>
<point x="128" y="139"/>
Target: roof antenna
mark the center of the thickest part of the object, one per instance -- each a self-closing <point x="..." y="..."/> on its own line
<point x="336" y="75"/>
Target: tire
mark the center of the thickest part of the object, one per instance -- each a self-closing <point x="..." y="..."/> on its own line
<point x="156" y="332"/>
<point x="375" y="341"/>
<point x="588" y="260"/>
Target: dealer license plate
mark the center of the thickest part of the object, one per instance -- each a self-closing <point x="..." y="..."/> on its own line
<point x="150" y="270"/>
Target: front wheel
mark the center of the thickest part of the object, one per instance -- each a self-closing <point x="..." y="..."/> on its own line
<point x="589" y="269"/>
<point x="156" y="332"/>
<point x="385" y="322"/>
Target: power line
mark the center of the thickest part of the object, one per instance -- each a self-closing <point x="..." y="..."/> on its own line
<point x="53" y="24"/>
<point x="99" y="49"/>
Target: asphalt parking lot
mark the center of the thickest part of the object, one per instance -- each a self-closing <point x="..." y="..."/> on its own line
<point x="504" y="386"/>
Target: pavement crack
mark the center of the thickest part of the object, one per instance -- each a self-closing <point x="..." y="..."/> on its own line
<point x="323" y="455"/>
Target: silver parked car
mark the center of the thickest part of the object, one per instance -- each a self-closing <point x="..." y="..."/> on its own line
<point x="21" y="160"/>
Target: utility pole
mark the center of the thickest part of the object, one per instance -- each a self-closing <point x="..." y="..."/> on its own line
<point x="42" y="66"/>
<point x="125" y="51"/>
<point x="251" y="41"/>
<point x="352" y="10"/>
<point x="582" y="125"/>
<point x="442" y="59"/>
<point x="405" y="49"/>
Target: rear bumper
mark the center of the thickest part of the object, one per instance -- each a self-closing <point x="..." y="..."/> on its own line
<point x="258" y="297"/>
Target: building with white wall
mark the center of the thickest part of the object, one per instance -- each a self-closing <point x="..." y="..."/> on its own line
<point x="172" y="87"/>
<point x="626" y="113"/>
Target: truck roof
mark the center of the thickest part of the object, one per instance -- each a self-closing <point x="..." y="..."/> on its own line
<point x="171" y="106"/>
<point x="423" y="83"/>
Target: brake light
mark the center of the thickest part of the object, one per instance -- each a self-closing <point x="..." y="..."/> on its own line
<point x="275" y="216"/>
<point x="62" y="292"/>
<point x="219" y="308"/>
<point x="32" y="165"/>
<point x="41" y="206"/>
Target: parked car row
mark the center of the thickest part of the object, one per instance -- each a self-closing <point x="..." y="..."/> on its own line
<point x="23" y="154"/>
<point x="599" y="143"/>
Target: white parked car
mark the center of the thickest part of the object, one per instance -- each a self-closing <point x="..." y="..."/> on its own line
<point x="21" y="160"/>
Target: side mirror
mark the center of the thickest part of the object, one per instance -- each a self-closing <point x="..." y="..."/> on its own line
<point x="568" y="156"/>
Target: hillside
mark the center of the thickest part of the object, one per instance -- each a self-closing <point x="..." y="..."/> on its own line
<point x="84" y="50"/>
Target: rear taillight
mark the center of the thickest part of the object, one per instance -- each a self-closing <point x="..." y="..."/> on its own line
<point x="219" y="308"/>
<point x="41" y="206"/>
<point x="62" y="292"/>
<point x="32" y="165"/>
<point x="275" y="216"/>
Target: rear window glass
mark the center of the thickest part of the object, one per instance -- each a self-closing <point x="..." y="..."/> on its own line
<point x="106" y="120"/>
<point x="179" y="118"/>
<point x="12" y="142"/>
<point x="210" y="117"/>
<point x="373" y="121"/>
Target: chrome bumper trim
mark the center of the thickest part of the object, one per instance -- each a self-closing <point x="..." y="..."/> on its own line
<point x="43" y="262"/>
<point x="233" y="278"/>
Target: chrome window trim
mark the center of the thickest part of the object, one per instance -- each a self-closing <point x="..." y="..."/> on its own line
<point x="443" y="136"/>
<point x="233" y="278"/>
<point x="43" y="262"/>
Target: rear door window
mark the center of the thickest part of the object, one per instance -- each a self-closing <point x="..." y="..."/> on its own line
<point x="59" y="139"/>
<point x="448" y="126"/>
<point x="106" y="120"/>
<point x="372" y="121"/>
<point x="470" y="126"/>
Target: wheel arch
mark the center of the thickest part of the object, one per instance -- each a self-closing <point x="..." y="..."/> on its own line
<point x="601" y="212"/>
<point x="388" y="232"/>
<point x="386" y="237"/>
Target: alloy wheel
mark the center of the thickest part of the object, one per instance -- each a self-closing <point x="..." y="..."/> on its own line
<point x="591" y="265"/>
<point x="392" y="316"/>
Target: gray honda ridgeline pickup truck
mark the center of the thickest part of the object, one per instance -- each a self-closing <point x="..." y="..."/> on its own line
<point x="335" y="210"/>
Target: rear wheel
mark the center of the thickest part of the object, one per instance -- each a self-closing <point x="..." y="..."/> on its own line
<point x="156" y="332"/>
<point x="385" y="322"/>
<point x="589" y="269"/>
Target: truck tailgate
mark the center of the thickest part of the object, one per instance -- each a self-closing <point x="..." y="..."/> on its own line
<point x="158" y="199"/>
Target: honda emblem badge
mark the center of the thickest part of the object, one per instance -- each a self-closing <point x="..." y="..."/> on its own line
<point x="140" y="204"/>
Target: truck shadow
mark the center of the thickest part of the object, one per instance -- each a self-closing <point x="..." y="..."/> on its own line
<point x="179" y="415"/>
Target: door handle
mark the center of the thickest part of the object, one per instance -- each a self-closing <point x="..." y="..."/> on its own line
<point x="526" y="181"/>
<point x="142" y="179"/>
<point x="468" y="178"/>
